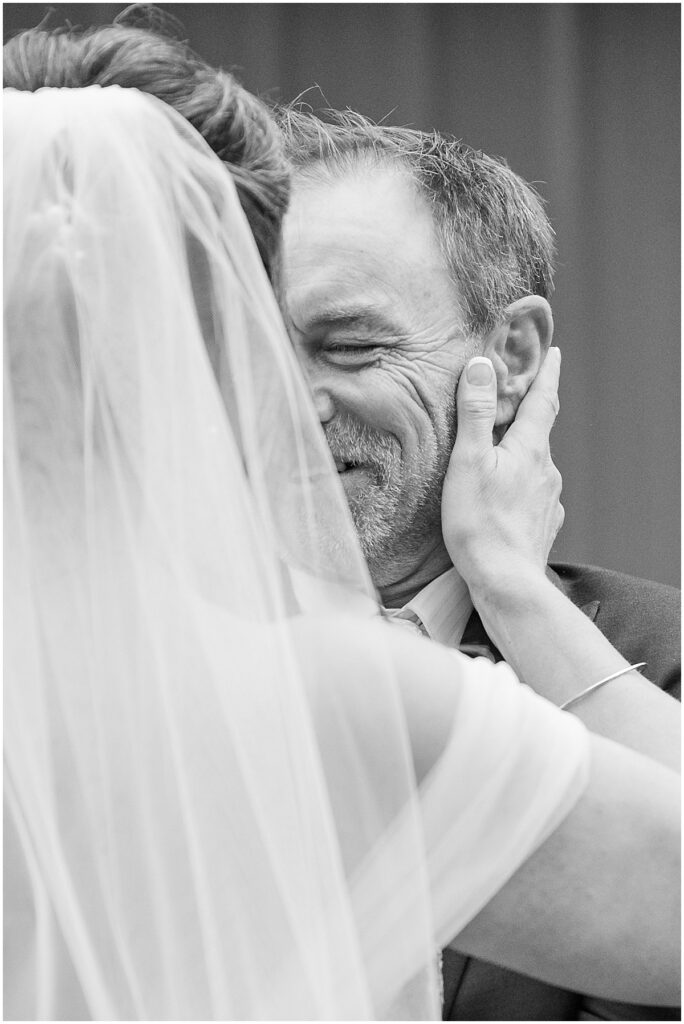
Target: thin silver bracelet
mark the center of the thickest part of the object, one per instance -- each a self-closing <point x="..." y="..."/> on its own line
<point x="601" y="682"/>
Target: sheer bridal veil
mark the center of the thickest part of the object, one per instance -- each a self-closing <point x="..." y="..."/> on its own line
<point x="199" y="822"/>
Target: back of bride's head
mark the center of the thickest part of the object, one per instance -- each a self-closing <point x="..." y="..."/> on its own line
<point x="129" y="260"/>
<point x="235" y="124"/>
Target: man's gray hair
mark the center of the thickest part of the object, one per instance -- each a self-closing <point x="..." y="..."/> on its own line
<point x="492" y="227"/>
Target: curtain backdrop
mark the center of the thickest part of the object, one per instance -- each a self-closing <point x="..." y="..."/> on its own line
<point x="583" y="100"/>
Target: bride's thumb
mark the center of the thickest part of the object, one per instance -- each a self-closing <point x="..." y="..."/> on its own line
<point x="476" y="405"/>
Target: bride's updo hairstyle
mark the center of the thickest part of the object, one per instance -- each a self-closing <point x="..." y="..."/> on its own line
<point x="138" y="52"/>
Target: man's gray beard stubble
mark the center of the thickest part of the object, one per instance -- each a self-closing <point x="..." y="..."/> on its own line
<point x="377" y="514"/>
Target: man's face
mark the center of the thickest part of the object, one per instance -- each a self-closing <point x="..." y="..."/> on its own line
<point x="377" y="326"/>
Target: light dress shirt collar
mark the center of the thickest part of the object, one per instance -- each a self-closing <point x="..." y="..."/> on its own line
<point x="443" y="607"/>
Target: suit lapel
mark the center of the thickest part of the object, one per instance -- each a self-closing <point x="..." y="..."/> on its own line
<point x="453" y="968"/>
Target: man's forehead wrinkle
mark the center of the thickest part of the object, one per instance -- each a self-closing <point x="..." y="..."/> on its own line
<point x="342" y="288"/>
<point x="347" y="315"/>
<point x="367" y="264"/>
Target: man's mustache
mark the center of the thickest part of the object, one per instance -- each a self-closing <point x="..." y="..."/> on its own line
<point x="353" y="442"/>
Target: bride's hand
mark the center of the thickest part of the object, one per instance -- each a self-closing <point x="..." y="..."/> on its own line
<point x="501" y="505"/>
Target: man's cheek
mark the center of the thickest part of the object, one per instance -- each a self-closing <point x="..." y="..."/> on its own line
<point x="400" y="390"/>
<point x="369" y="396"/>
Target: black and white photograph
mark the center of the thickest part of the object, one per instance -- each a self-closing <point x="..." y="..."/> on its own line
<point x="342" y="511"/>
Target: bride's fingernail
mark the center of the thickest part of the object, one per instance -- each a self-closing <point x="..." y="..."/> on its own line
<point x="480" y="371"/>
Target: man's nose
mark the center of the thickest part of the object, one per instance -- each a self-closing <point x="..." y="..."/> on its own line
<point x="319" y="388"/>
<point x="323" y="403"/>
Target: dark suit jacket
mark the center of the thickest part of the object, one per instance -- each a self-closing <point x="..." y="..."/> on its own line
<point x="642" y="620"/>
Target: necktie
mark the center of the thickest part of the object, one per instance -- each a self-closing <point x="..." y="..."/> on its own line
<point x="407" y="618"/>
<point x="477" y="651"/>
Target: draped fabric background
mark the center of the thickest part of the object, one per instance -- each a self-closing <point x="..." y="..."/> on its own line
<point x="582" y="99"/>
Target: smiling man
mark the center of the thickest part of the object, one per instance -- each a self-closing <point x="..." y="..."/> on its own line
<point x="383" y="330"/>
<point x="377" y="324"/>
<point x="406" y="253"/>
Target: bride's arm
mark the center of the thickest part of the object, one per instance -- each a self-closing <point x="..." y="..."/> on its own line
<point x="596" y="907"/>
<point x="558" y="651"/>
<point x="500" y="515"/>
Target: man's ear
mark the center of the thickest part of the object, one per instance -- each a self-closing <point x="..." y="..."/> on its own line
<point x="517" y="348"/>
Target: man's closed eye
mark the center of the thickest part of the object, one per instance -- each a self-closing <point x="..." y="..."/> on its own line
<point x="352" y="354"/>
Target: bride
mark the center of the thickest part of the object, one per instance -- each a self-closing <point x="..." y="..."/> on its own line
<point x="232" y="790"/>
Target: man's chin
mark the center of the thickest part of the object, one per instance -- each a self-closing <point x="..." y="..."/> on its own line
<point x="374" y="514"/>
<point x="392" y="533"/>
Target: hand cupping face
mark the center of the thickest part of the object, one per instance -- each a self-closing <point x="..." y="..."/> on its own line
<point x="501" y="503"/>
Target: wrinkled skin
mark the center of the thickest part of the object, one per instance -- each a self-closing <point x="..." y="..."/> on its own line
<point x="377" y="325"/>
